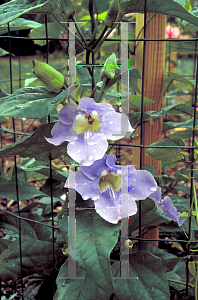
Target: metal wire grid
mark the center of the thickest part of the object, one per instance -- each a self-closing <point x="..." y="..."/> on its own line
<point x="118" y="145"/>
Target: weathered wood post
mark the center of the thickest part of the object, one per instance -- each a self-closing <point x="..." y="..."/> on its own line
<point x="153" y="89"/>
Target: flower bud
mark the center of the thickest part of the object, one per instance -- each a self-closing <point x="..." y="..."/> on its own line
<point x="112" y="13"/>
<point x="109" y="68"/>
<point x="52" y="79"/>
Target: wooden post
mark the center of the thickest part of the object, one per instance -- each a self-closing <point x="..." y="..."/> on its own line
<point x="153" y="89"/>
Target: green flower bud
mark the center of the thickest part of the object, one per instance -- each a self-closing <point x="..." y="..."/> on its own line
<point x="112" y="13"/>
<point x="52" y="79"/>
<point x="109" y="67"/>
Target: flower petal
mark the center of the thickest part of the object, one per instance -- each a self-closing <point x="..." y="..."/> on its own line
<point x="166" y="204"/>
<point x="88" y="147"/>
<point x="61" y="133"/>
<point x="89" y="105"/>
<point x="68" y="114"/>
<point x="156" y="196"/>
<point x="141" y="184"/>
<point x="105" y="164"/>
<point x="115" y="125"/>
<point x="83" y="185"/>
<point x="109" y="206"/>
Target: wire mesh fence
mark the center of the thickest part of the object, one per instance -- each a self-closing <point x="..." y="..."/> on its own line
<point x="19" y="212"/>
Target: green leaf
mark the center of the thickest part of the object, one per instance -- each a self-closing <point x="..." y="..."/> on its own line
<point x="134" y="75"/>
<point x="135" y="117"/>
<point x="182" y="188"/>
<point x="19" y="24"/>
<point x="150" y="169"/>
<point x="180" y="203"/>
<point x="3" y="52"/>
<point x="29" y="102"/>
<point x="165" y="7"/>
<point x="3" y="119"/>
<point x="36" y="258"/>
<point x="99" y="6"/>
<point x="185" y="124"/>
<point x="11" y="10"/>
<point x="148" y="279"/>
<point x="179" y="174"/>
<point x="75" y="289"/>
<point x="135" y="101"/>
<point x="30" y="229"/>
<point x="182" y="47"/>
<point x="179" y="274"/>
<point x="174" y="76"/>
<point x="54" y="31"/>
<point x="183" y="134"/>
<point x="188" y="27"/>
<point x="151" y="216"/>
<point x="167" y="154"/>
<point x="34" y="284"/>
<point x="95" y="239"/>
<point x="56" y="174"/>
<point x="35" y="146"/>
<point x="25" y="189"/>
<point x="169" y="261"/>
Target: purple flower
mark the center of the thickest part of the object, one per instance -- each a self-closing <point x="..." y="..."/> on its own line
<point x="114" y="189"/>
<point x="87" y="129"/>
<point x="166" y="205"/>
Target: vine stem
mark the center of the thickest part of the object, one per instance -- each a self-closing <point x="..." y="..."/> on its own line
<point x="79" y="30"/>
<point x="102" y="89"/>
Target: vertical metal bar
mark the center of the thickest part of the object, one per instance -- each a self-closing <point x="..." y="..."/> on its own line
<point x="142" y="111"/>
<point x="72" y="59"/>
<point x="192" y="174"/>
<point x="93" y="57"/>
<point x="50" y="166"/>
<point x="125" y="108"/>
<point x="15" y="168"/>
<point x="118" y="88"/>
<point x="72" y="231"/>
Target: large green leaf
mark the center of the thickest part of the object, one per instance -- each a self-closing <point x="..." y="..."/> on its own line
<point x="188" y="27"/>
<point x="148" y="279"/>
<point x="185" y="124"/>
<point x="61" y="10"/>
<point x="54" y="30"/>
<point x="168" y="260"/>
<point x="165" y="7"/>
<point x="183" y="134"/>
<point x="35" y="146"/>
<point x="56" y="174"/>
<point x="9" y="224"/>
<point x="36" y="258"/>
<point x="167" y="154"/>
<point x="75" y="289"/>
<point x="135" y="117"/>
<point x="95" y="239"/>
<point x="30" y="102"/>
<point x="151" y="216"/>
<point x="26" y="190"/>
<point x="19" y="24"/>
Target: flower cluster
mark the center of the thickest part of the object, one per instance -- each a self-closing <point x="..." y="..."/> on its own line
<point x="110" y="186"/>
<point x="114" y="189"/>
<point x="87" y="129"/>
